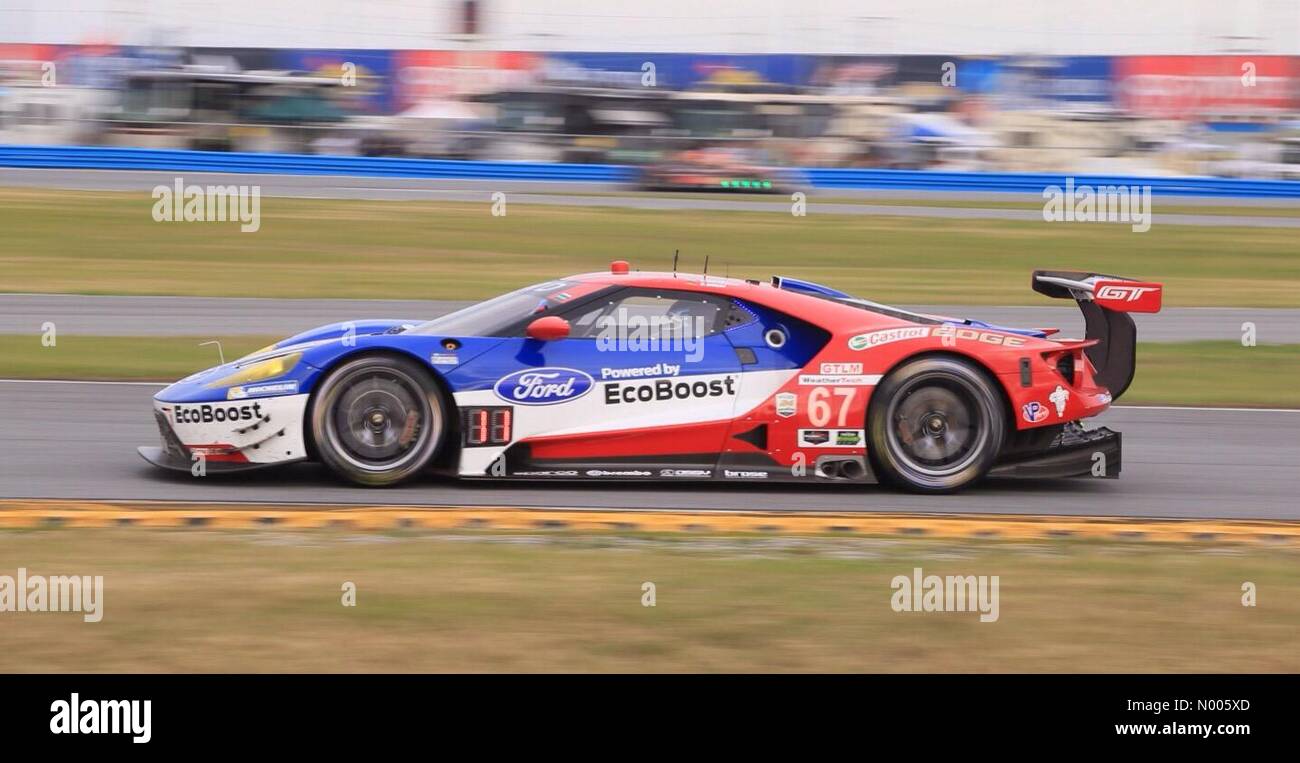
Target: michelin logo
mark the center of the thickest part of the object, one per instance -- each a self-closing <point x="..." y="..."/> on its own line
<point x="262" y="390"/>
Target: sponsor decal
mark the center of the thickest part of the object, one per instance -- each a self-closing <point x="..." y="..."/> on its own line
<point x="215" y="413"/>
<point x="667" y="389"/>
<point x="1034" y="412"/>
<point x="443" y="359"/>
<point x="543" y="386"/>
<point x="975" y="335"/>
<point x="1059" y="397"/>
<point x="743" y="475"/>
<point x="658" y="369"/>
<point x="1104" y="398"/>
<point x="568" y="473"/>
<point x="841" y="368"/>
<point x="831" y="438"/>
<point x="611" y="473"/>
<point x="814" y="437"/>
<point x="855" y="380"/>
<point x="1124" y="293"/>
<point x="685" y="472"/>
<point x="563" y="296"/>
<point x="886" y="336"/>
<point x="262" y="390"/>
<point x="1132" y="297"/>
<point x="787" y="404"/>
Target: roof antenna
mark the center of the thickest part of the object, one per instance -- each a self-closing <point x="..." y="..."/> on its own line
<point x="706" y="264"/>
<point x="220" y="353"/>
<point x="674" y="263"/>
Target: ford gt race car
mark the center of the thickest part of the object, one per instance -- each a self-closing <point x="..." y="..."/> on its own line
<point x="625" y="375"/>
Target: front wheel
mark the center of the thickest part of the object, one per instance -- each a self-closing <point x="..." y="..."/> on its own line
<point x="378" y="420"/>
<point x="936" y="425"/>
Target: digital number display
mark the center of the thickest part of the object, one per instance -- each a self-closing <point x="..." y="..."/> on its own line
<point x="488" y="426"/>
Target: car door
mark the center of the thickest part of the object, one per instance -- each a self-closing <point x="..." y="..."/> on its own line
<point x="645" y="385"/>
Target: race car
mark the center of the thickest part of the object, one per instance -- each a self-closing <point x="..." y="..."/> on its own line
<point x="729" y="169"/>
<point x="628" y="375"/>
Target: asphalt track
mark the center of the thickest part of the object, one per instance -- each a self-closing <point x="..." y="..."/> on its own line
<point x="578" y="195"/>
<point x="77" y="441"/>
<point x="211" y="316"/>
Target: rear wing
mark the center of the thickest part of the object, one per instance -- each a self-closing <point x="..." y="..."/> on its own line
<point x="1105" y="302"/>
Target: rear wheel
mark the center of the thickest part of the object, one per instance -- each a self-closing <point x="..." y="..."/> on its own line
<point x="936" y="425"/>
<point x="378" y="420"/>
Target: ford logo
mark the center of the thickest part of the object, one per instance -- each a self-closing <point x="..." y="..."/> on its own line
<point x="543" y="386"/>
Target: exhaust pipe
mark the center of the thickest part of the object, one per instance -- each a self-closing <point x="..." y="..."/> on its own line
<point x="841" y="468"/>
<point x="852" y="470"/>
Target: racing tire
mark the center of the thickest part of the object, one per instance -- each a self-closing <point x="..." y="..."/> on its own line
<point x="378" y="420"/>
<point x="936" y="425"/>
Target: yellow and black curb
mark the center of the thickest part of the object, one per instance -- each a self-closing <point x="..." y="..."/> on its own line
<point x="45" y="514"/>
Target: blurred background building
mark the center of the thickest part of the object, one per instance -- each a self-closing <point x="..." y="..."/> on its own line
<point x="692" y="91"/>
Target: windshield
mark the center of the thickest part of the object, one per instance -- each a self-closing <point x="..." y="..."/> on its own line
<point x="495" y="315"/>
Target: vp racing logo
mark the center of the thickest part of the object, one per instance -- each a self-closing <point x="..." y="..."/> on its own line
<point x="543" y="386"/>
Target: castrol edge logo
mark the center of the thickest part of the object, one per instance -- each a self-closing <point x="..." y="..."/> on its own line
<point x="947" y="332"/>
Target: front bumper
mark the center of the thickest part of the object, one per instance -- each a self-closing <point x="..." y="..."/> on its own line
<point x="1075" y="452"/>
<point x="229" y="436"/>
<point x="165" y="459"/>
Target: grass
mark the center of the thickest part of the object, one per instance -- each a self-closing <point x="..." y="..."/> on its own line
<point x="1161" y="206"/>
<point x="108" y="243"/>
<point x="212" y="601"/>
<point x="149" y="358"/>
<point x="1183" y="373"/>
<point x="1216" y="373"/>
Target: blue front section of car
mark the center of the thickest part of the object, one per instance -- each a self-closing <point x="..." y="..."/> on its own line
<point x="346" y="328"/>
<point x="479" y="363"/>
<point x="321" y="349"/>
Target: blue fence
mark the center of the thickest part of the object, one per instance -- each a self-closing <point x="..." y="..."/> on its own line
<point x="83" y="157"/>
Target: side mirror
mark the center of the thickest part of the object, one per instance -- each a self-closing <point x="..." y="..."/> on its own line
<point x="548" y="329"/>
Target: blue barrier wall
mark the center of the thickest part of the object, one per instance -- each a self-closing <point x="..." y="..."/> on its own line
<point x="83" y="157"/>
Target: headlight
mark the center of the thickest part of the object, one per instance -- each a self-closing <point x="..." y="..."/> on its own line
<point x="255" y="353"/>
<point x="263" y="369"/>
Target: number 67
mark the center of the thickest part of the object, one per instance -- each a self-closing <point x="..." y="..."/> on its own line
<point x="819" y="406"/>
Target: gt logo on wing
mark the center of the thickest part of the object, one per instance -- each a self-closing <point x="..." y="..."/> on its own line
<point x="1129" y="297"/>
<point x="1124" y="293"/>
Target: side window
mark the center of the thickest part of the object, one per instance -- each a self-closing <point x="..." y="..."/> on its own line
<point x="651" y="314"/>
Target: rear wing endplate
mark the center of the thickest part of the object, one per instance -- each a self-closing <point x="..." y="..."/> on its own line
<point x="1105" y="302"/>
